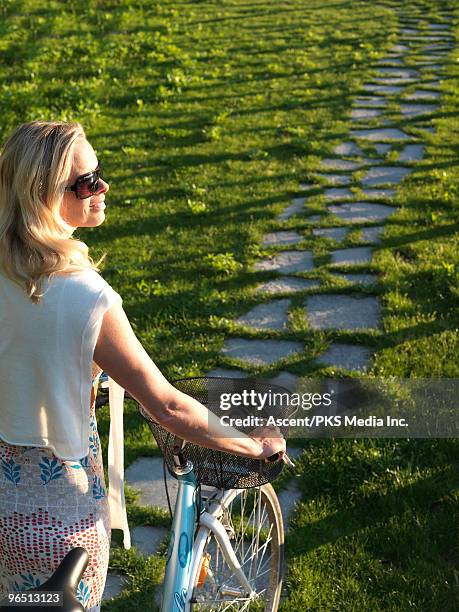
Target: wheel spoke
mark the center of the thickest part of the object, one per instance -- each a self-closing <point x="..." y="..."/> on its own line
<point x="264" y="547"/>
<point x="254" y="525"/>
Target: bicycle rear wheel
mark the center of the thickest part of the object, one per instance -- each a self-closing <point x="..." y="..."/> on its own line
<point x="253" y="521"/>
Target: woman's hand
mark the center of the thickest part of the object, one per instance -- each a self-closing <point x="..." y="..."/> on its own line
<point x="271" y="441"/>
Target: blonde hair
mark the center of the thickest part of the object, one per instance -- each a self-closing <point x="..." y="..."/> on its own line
<point x="34" y="239"/>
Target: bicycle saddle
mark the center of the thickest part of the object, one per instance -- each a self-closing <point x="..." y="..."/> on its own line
<point x="65" y="579"/>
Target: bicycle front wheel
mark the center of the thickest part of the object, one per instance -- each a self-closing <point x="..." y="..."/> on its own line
<point x="253" y="522"/>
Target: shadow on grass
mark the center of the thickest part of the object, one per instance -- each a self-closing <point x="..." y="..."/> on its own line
<point x="353" y="509"/>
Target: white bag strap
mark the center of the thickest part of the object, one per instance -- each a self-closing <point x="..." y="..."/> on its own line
<point x="116" y="501"/>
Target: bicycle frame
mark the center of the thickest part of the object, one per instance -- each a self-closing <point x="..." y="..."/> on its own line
<point x="209" y="522"/>
<point x="185" y="553"/>
<point x="178" y="565"/>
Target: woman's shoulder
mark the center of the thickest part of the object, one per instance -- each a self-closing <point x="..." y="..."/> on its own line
<point x="87" y="281"/>
<point x="80" y="278"/>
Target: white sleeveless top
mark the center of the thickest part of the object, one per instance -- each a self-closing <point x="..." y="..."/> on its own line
<point x="46" y="355"/>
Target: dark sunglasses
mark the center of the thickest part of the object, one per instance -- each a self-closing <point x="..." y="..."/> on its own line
<point x="86" y="185"/>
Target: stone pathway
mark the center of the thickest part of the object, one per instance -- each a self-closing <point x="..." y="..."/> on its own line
<point x="359" y="190"/>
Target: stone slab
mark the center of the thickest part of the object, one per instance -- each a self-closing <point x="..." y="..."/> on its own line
<point x="385" y="175"/>
<point x="399" y="49"/>
<point x="294" y="208"/>
<point x="281" y="238"/>
<point x="401" y="73"/>
<point x="360" y="114"/>
<point x="306" y="186"/>
<point x="335" y="179"/>
<point x="378" y="194"/>
<point x="346" y="356"/>
<point x="286" y="285"/>
<point x="429" y="38"/>
<point x="422" y="94"/>
<point x="342" y="312"/>
<point x="439" y="26"/>
<point x="417" y="110"/>
<point x="260" y="352"/>
<point x="371" y="101"/>
<point x="443" y="47"/>
<point x="393" y="81"/>
<point x="287" y="380"/>
<point x="113" y="586"/>
<point x="294" y="452"/>
<point x="382" y="148"/>
<point x="283" y="379"/>
<point x="272" y="315"/>
<point x="358" y="212"/>
<point x="351" y="256"/>
<point x="148" y="539"/>
<point x="227" y="373"/>
<point x="338" y="193"/>
<point x="357" y="279"/>
<point x="381" y="134"/>
<point x="348" y="148"/>
<point x="438" y="37"/>
<point x="335" y="233"/>
<point x="372" y="234"/>
<point x="288" y="500"/>
<point x="387" y="90"/>
<point x="287" y="262"/>
<point x="394" y="56"/>
<point x="146" y="475"/>
<point x="340" y="164"/>
<point x="412" y="153"/>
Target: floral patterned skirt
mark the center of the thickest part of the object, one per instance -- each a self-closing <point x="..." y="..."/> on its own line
<point x="47" y="507"/>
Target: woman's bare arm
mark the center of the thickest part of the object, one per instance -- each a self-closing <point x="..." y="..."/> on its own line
<point x="119" y="353"/>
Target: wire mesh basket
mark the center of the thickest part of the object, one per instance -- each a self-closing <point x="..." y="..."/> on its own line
<point x="216" y="468"/>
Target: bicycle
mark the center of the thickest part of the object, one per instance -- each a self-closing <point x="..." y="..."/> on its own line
<point x="229" y="554"/>
<point x="226" y="546"/>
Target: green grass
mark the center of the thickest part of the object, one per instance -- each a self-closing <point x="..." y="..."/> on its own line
<point x="207" y="116"/>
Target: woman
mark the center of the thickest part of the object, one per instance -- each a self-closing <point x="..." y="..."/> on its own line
<point x="61" y="325"/>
